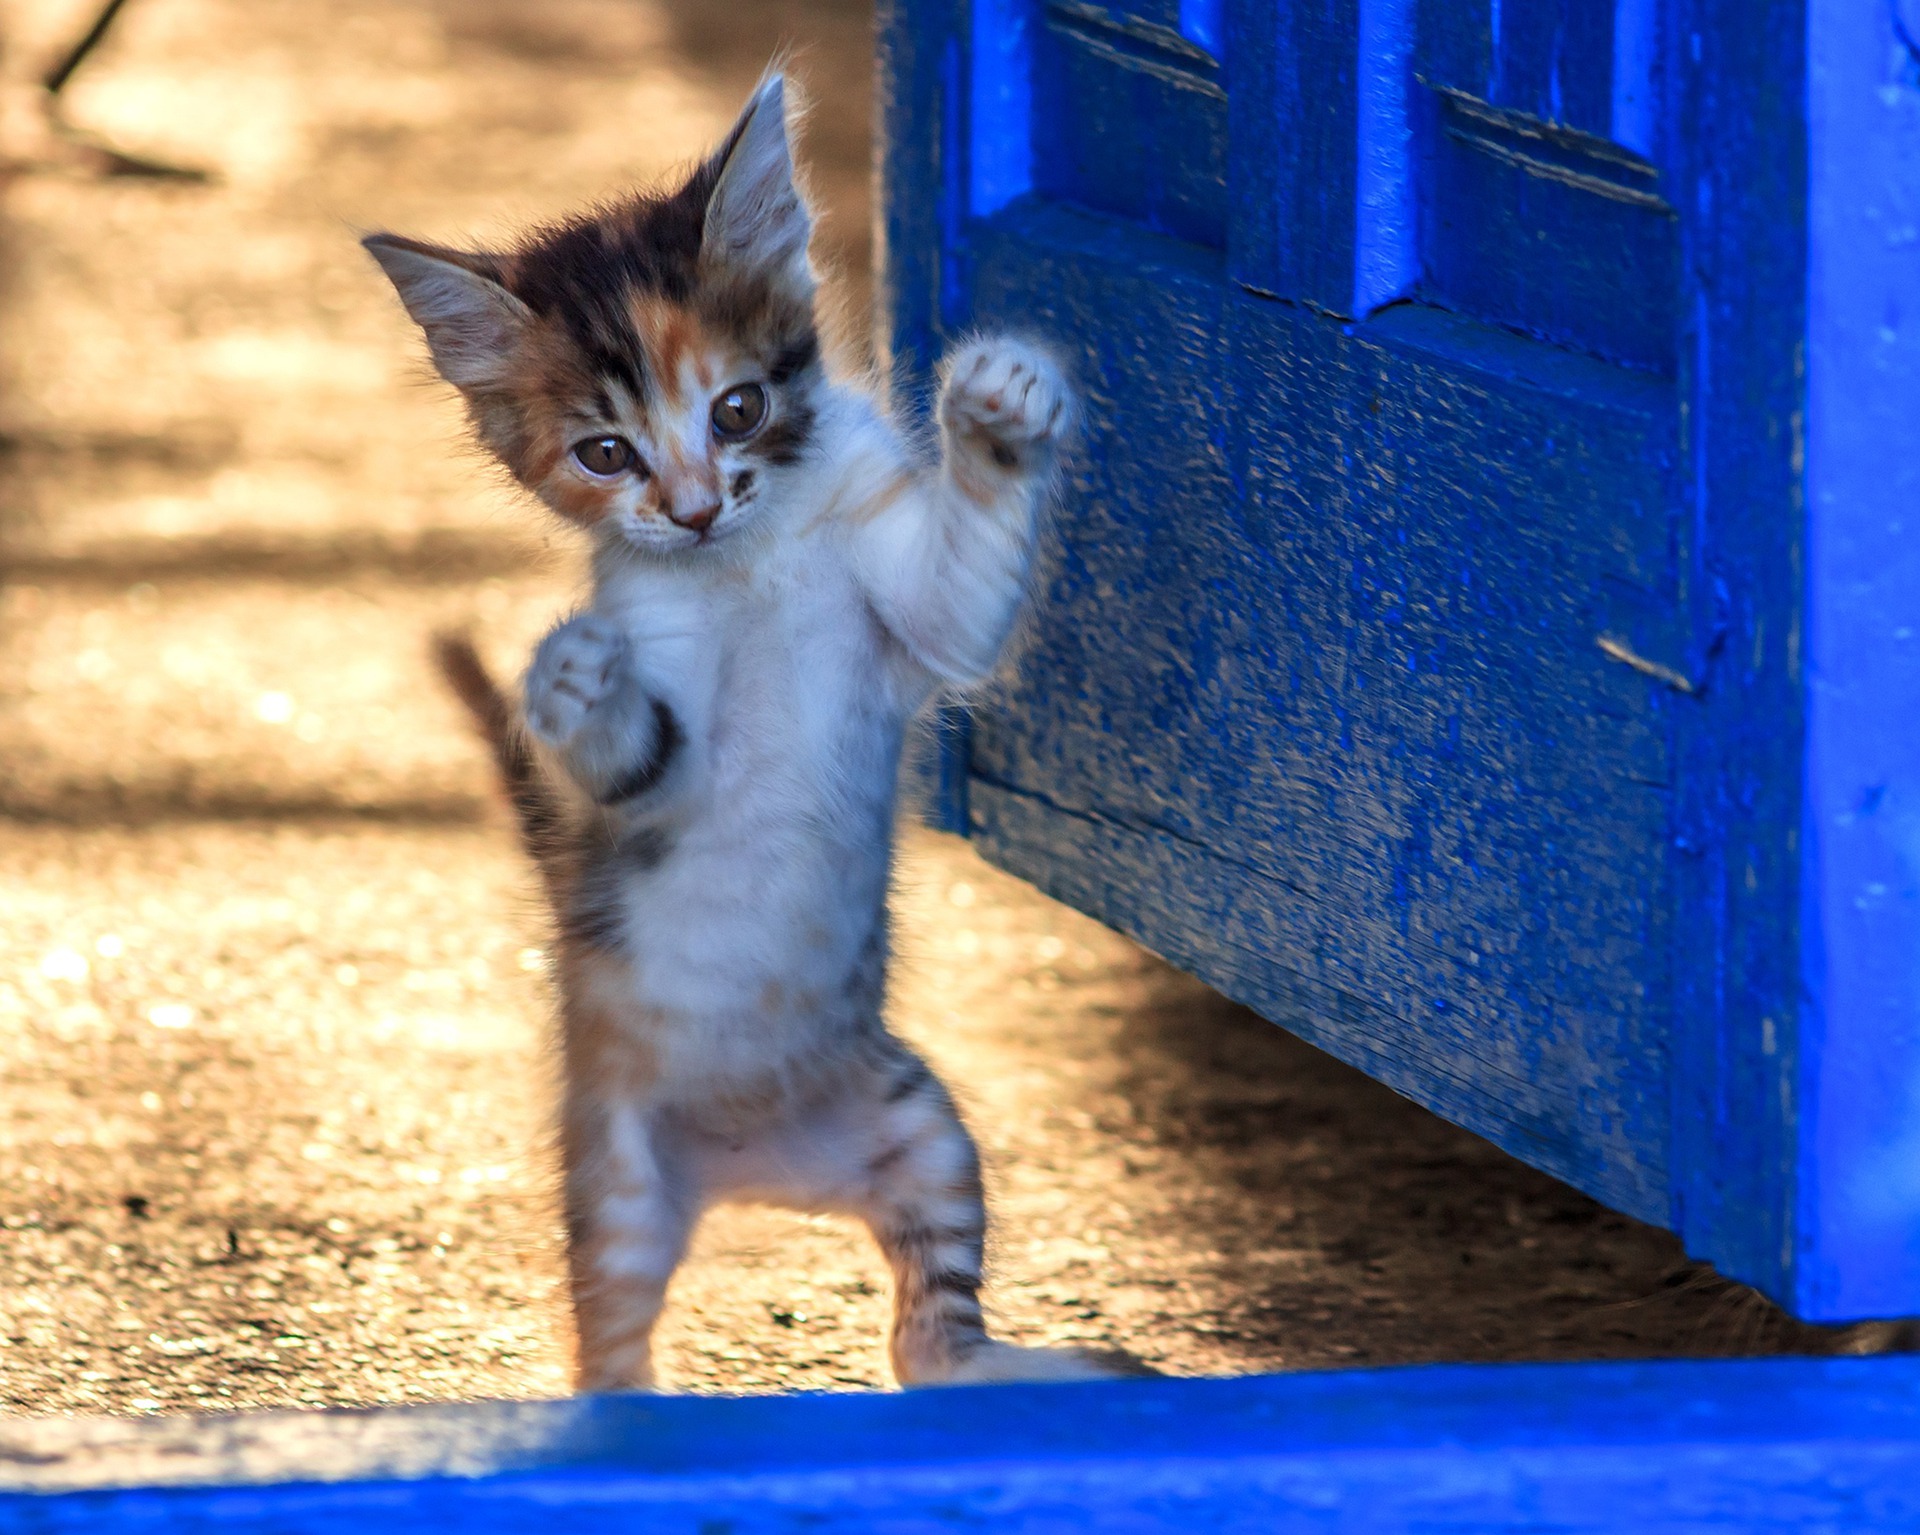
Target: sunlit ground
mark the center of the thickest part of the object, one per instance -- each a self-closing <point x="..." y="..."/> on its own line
<point x="272" y="995"/>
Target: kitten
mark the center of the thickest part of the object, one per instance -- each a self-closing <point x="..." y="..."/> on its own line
<point x="706" y="775"/>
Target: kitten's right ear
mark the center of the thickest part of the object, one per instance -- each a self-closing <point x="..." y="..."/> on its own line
<point x="473" y="325"/>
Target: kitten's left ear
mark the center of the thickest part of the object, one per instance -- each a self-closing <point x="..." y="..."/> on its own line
<point x="757" y="217"/>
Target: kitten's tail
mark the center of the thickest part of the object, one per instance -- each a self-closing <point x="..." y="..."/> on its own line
<point x="534" y="805"/>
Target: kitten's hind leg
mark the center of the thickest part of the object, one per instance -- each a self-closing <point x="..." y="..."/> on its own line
<point x="921" y="1196"/>
<point x="629" y="1213"/>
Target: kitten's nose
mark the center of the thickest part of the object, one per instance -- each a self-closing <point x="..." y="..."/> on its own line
<point x="699" y="517"/>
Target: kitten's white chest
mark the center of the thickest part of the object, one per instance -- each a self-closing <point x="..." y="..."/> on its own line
<point x="777" y="875"/>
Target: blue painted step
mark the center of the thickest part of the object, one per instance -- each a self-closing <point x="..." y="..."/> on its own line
<point x="1753" y="1446"/>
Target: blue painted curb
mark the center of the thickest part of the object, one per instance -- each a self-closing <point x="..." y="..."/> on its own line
<point x="1783" y="1444"/>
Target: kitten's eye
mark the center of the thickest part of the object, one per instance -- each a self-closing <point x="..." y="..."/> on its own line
<point x="739" y="412"/>
<point x="604" y="455"/>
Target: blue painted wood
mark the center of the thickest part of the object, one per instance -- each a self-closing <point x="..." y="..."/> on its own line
<point x="1204" y="23"/>
<point x="1478" y="631"/>
<point x="1292" y="116"/>
<point x="1296" y="688"/>
<point x="1558" y="234"/>
<point x="1738" y="174"/>
<point x="1756" y="1446"/>
<point x="1635" y="107"/>
<point x="1552" y="60"/>
<point x="1147" y="136"/>
<point x="923" y="167"/>
<point x="1858" y="1122"/>
<point x="1386" y="242"/>
<point x="1392" y="708"/>
<point x="1533" y="217"/>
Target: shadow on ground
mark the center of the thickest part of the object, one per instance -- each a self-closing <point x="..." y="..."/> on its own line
<point x="272" y="981"/>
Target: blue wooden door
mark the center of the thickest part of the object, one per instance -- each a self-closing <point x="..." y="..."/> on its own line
<point x="1419" y="656"/>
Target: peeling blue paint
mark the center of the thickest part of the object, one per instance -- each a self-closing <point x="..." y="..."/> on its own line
<point x="1492" y="519"/>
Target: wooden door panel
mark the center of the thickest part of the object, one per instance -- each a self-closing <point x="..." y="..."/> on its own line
<point x="1553" y="60"/>
<point x="1130" y="117"/>
<point x="1539" y="208"/>
<point x="1554" y="233"/>
<point x="1253" y="664"/>
<point x="1477" y="634"/>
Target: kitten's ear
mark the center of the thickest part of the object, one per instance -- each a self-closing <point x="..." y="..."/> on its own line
<point x="757" y="217"/>
<point x="472" y="323"/>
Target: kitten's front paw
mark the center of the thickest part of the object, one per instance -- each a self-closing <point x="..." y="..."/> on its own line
<point x="577" y="666"/>
<point x="1007" y="397"/>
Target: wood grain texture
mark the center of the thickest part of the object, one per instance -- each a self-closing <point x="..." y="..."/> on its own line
<point x="1738" y="178"/>
<point x="1293" y="117"/>
<point x="1131" y="118"/>
<point x="1509" y="691"/>
<point x="1552" y="60"/>
<point x="1345" y="643"/>
<point x="1755" y="1446"/>
<point x="1556" y="234"/>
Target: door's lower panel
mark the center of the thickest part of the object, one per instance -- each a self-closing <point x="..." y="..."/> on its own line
<point x="1231" y="926"/>
<point x="1332" y="696"/>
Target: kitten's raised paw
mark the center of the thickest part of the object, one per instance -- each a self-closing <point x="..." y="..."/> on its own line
<point x="576" y="666"/>
<point x="1005" y="1363"/>
<point x="1006" y="396"/>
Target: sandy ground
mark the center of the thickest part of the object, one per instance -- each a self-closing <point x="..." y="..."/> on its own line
<point x="272" y="993"/>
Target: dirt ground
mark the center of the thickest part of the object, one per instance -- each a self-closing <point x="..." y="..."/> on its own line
<point x="272" y="993"/>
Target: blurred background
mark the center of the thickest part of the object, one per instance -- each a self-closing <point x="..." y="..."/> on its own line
<point x="273" y="1094"/>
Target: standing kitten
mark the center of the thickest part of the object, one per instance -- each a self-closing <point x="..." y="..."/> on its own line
<point x="779" y="583"/>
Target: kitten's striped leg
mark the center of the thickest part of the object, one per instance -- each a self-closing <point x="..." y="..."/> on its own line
<point x="928" y="1213"/>
<point x="926" y="1208"/>
<point x="627" y="1226"/>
